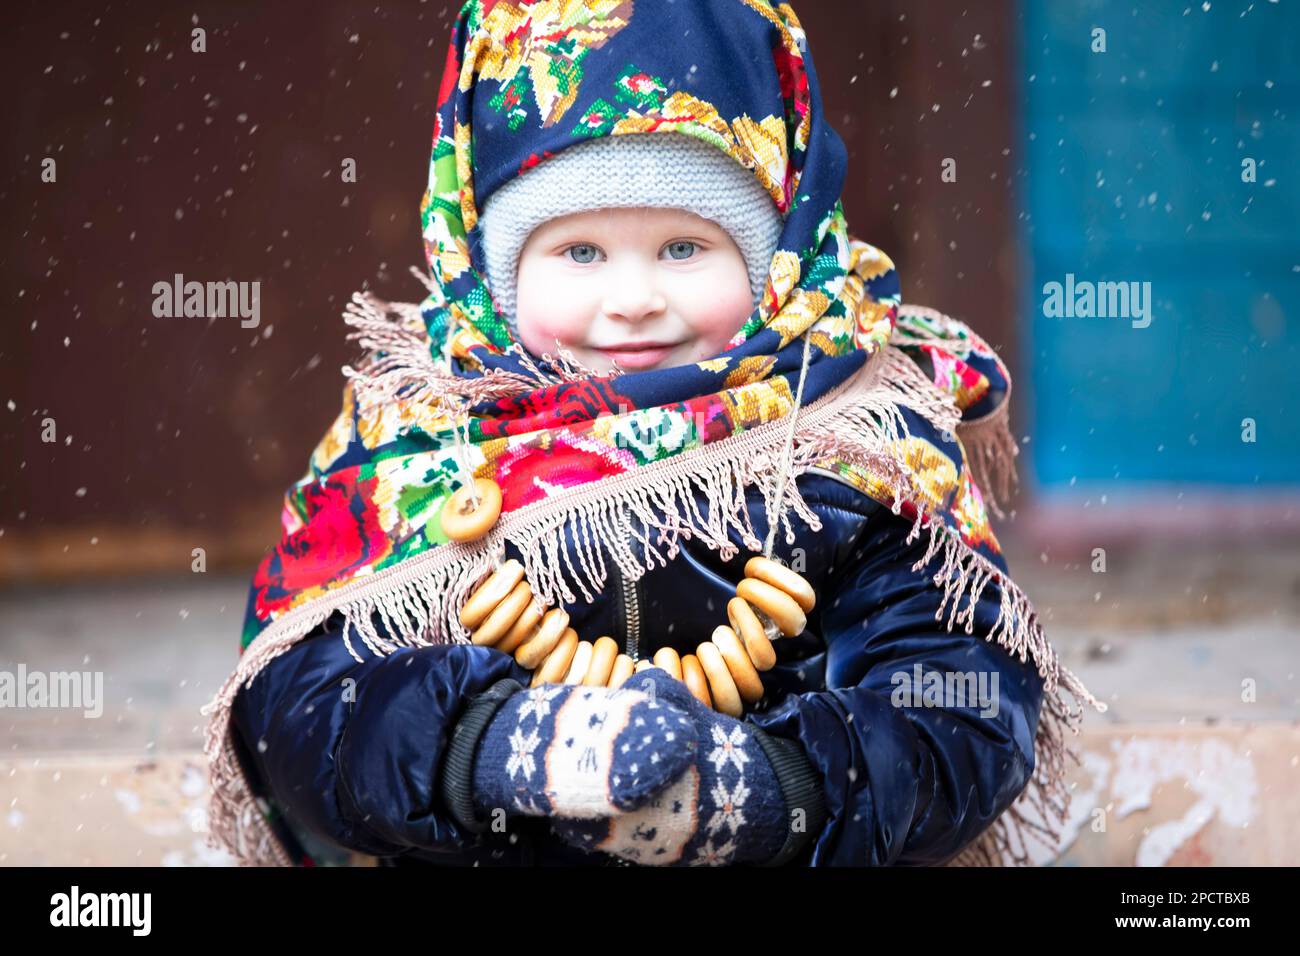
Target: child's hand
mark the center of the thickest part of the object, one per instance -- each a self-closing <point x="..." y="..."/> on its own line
<point x="579" y="752"/>
<point x="726" y="808"/>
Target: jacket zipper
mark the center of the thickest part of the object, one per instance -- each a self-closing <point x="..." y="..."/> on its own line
<point x="632" y="617"/>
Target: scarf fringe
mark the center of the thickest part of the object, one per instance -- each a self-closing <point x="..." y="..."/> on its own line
<point x="991" y="448"/>
<point x="567" y="366"/>
<point x="419" y="601"/>
<point x="991" y="455"/>
<point x="399" y="365"/>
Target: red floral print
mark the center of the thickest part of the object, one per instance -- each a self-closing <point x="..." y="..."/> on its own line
<point x="341" y="535"/>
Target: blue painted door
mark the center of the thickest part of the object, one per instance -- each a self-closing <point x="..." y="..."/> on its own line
<point x="1135" y="161"/>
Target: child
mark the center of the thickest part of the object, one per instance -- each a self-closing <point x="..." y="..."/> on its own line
<point x="651" y="335"/>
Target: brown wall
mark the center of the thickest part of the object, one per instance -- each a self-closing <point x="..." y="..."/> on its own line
<point x="220" y="165"/>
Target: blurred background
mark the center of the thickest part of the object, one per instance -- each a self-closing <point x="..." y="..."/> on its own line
<point x="1158" y="525"/>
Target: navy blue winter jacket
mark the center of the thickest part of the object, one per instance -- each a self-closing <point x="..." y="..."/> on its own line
<point x="902" y="785"/>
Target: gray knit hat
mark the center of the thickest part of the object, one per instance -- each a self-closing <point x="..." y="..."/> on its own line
<point x="632" y="169"/>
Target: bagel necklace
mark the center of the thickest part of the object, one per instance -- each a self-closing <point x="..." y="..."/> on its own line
<point x="772" y="601"/>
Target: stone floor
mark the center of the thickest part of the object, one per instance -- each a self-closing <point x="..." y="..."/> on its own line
<point x="1195" y="762"/>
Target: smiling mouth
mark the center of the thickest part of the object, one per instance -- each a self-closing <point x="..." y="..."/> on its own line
<point x="639" y="354"/>
<point x="637" y="346"/>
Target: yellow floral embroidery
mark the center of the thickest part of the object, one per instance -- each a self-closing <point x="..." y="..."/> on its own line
<point x="868" y="261"/>
<point x="933" y="471"/>
<point x="764" y="141"/>
<point x="464" y="338"/>
<point x="335" y="442"/>
<point x="507" y="42"/>
<point x="758" y="402"/>
<point x="783" y="275"/>
<point x="686" y="111"/>
<point x="872" y="323"/>
<point x="386" y="421"/>
<point x="800" y="311"/>
<point x="934" y="474"/>
<point x="464" y="142"/>
<point x="751" y="369"/>
<point x="971" y="515"/>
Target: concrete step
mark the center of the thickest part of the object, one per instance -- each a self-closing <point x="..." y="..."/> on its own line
<point x="1143" y="795"/>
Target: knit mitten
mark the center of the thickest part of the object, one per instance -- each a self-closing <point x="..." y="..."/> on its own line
<point x="581" y="752"/>
<point x="727" y="808"/>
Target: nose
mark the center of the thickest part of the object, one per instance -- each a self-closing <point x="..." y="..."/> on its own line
<point x="633" y="295"/>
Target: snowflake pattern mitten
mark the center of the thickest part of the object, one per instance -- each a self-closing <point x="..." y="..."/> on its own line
<point x="581" y="752"/>
<point x="726" y="808"/>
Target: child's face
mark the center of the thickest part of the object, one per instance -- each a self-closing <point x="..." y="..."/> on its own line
<point x="646" y="287"/>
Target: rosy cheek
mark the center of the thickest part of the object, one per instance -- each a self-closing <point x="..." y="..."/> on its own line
<point x="543" y="318"/>
<point x="724" y="318"/>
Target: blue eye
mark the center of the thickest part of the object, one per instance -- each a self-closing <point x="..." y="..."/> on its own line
<point x="582" y="246"/>
<point x="690" y="248"/>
